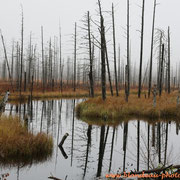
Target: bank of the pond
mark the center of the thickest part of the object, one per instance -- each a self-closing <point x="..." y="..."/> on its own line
<point x="117" y="108"/>
<point x="19" y="145"/>
<point x="15" y="97"/>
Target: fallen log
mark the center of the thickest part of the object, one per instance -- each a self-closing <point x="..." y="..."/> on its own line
<point x="157" y="170"/>
<point x="55" y="178"/>
<point x="63" y="152"/>
<point x="63" y="139"/>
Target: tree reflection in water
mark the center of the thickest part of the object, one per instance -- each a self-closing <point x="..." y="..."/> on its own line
<point x="92" y="150"/>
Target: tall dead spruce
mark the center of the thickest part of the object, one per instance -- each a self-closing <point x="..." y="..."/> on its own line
<point x="151" y="56"/>
<point x="128" y="54"/>
<point x="103" y="49"/>
<point x="22" y="43"/>
<point x="169" y="62"/>
<point x="114" y="45"/>
<point x="91" y="59"/>
<point x="75" y="53"/>
<point x="141" y="50"/>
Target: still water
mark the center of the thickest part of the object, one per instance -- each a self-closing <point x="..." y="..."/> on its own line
<point x="93" y="150"/>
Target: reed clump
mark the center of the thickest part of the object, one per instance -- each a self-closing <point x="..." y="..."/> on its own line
<point x="117" y="108"/>
<point x="19" y="145"/>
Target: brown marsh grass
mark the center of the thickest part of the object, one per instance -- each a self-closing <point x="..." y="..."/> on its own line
<point x="19" y="145"/>
<point x="116" y="108"/>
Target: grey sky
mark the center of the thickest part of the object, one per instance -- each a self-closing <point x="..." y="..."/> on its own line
<point x="48" y="13"/>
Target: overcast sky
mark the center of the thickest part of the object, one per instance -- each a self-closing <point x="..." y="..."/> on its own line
<point x="49" y="12"/>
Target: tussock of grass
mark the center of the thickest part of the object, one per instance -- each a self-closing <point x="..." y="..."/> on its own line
<point x="15" y="98"/>
<point x="19" y="145"/>
<point x="117" y="108"/>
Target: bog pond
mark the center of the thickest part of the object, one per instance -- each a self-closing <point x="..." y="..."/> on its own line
<point x="92" y="149"/>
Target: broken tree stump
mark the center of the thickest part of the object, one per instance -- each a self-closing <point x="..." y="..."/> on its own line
<point x="55" y="178"/>
<point x="4" y="101"/>
<point x="63" y="152"/>
<point x="63" y="139"/>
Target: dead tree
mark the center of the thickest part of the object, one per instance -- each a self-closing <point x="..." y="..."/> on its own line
<point x="91" y="59"/>
<point x="50" y="65"/>
<point x="12" y="61"/>
<point x="128" y="54"/>
<point x="60" y="59"/>
<point x="119" y="67"/>
<point x="169" y="59"/>
<point x="43" y="67"/>
<point x="114" y="45"/>
<point x="160" y="53"/>
<point x="161" y="72"/>
<point x="75" y="53"/>
<point x="108" y="69"/>
<point x="30" y="60"/>
<point x="22" y="46"/>
<point x="141" y="51"/>
<point x="151" y="56"/>
<point x="103" y="50"/>
<point x="126" y="83"/>
<point x="6" y="59"/>
<point x="103" y="69"/>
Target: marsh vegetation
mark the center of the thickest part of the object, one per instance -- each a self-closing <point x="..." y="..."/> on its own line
<point x="129" y="112"/>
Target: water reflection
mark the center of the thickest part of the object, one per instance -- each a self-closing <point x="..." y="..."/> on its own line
<point x="92" y="151"/>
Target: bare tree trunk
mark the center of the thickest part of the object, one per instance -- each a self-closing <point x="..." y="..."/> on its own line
<point x="91" y="59"/>
<point x="126" y="83"/>
<point x="22" y="42"/>
<point x="161" y="72"/>
<point x="114" y="45"/>
<point x="160" y="54"/>
<point x="5" y="54"/>
<point x="24" y="81"/>
<point x="50" y="66"/>
<point x="103" y="50"/>
<point x="108" y="69"/>
<point x="128" y="56"/>
<point x="169" y="59"/>
<point x="12" y="62"/>
<point x="119" y="68"/>
<point x="151" y="57"/>
<point x="60" y="57"/>
<point x="141" y="52"/>
<point x="103" y="68"/>
<point x="75" y="51"/>
<point x="43" y="67"/>
<point x="30" y="61"/>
